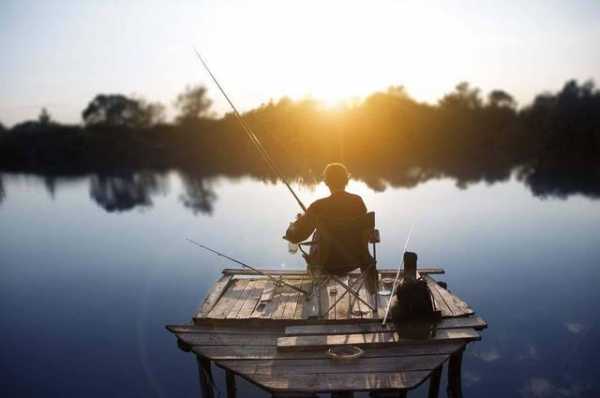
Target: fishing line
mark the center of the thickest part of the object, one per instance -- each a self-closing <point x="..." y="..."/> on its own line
<point x="253" y="138"/>
<point x="387" y="308"/>
<point x="277" y="282"/>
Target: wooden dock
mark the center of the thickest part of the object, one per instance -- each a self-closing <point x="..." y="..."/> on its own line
<point x="276" y="338"/>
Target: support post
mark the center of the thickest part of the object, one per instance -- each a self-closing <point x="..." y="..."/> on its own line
<point x="434" y="382"/>
<point x="230" y="381"/>
<point x="342" y="394"/>
<point x="388" y="394"/>
<point x="455" y="374"/>
<point x="205" y="376"/>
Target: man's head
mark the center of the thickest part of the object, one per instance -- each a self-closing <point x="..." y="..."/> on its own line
<point x="336" y="176"/>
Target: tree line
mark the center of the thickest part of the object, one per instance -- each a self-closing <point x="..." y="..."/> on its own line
<point x="553" y="144"/>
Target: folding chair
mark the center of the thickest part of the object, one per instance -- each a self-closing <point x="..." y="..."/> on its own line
<point x="342" y="248"/>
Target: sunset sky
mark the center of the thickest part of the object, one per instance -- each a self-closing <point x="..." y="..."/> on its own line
<point x="60" y="54"/>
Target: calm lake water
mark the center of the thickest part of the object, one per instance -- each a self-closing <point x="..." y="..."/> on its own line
<point x="92" y="269"/>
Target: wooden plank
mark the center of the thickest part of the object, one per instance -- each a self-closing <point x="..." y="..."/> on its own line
<point x="213" y="296"/>
<point x="352" y="328"/>
<point x="342" y="382"/>
<point x="228" y="299"/>
<point x="209" y="329"/>
<point x="302" y="299"/>
<point x="257" y="287"/>
<point x="368" y="339"/>
<point x="237" y="306"/>
<point x="208" y="339"/>
<point x="440" y="303"/>
<point x="302" y="272"/>
<point x="264" y="307"/>
<point x="459" y="307"/>
<point x="286" y="303"/>
<point x="292" y="301"/>
<point x="296" y="367"/>
<point x="250" y="352"/>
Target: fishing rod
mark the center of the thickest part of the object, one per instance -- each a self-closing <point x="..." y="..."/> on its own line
<point x="253" y="138"/>
<point x="277" y="282"/>
<point x="387" y="308"/>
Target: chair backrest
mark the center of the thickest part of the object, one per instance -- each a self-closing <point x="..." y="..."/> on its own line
<point x="343" y="243"/>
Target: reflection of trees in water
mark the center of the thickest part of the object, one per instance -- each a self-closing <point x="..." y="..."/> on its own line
<point x="127" y="190"/>
<point x="50" y="184"/>
<point x="2" y="191"/>
<point x="561" y="184"/>
<point x="199" y="195"/>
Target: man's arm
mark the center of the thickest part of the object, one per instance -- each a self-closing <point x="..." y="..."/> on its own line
<point x="302" y="228"/>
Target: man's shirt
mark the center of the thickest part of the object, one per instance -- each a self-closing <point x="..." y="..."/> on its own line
<point x="339" y="205"/>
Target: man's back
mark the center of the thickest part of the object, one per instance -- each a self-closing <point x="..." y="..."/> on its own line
<point x="339" y="205"/>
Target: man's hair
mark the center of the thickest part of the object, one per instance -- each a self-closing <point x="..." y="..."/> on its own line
<point x="336" y="175"/>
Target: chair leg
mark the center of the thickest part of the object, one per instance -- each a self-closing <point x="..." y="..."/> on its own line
<point x="353" y="292"/>
<point x="341" y="296"/>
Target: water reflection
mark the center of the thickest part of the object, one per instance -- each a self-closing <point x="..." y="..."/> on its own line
<point x="2" y="191"/>
<point x="506" y="253"/>
<point x="198" y="195"/>
<point x="126" y="191"/>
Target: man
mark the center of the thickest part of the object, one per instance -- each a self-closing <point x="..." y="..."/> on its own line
<point x="346" y="249"/>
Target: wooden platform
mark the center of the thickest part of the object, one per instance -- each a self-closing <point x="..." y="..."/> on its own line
<point x="271" y="337"/>
<point x="246" y="296"/>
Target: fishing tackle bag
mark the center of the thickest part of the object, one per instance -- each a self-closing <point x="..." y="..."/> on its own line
<point x="414" y="312"/>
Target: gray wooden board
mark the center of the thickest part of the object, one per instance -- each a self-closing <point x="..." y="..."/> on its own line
<point x="214" y="294"/>
<point x="257" y="287"/>
<point x="209" y="329"/>
<point x="342" y="382"/>
<point x="302" y="299"/>
<point x="239" y="303"/>
<point x="228" y="299"/>
<point x="311" y="342"/>
<point x="251" y="352"/>
<point x="294" y="367"/>
<point x="472" y="321"/>
<point x="266" y="303"/>
<point x="440" y="303"/>
<point x="459" y="307"/>
<point x="302" y="272"/>
<point x="208" y="339"/>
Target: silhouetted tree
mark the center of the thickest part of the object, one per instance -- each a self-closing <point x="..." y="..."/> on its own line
<point x="44" y="118"/>
<point x="2" y="128"/>
<point x="192" y="104"/>
<point x="118" y="110"/>
<point x="500" y="98"/>
<point x="153" y="114"/>
<point x="463" y="97"/>
<point x="388" y="139"/>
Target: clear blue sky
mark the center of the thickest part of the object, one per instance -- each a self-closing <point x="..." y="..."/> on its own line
<point x="59" y="54"/>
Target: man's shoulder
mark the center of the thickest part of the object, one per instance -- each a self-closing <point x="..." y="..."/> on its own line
<point x="345" y="196"/>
